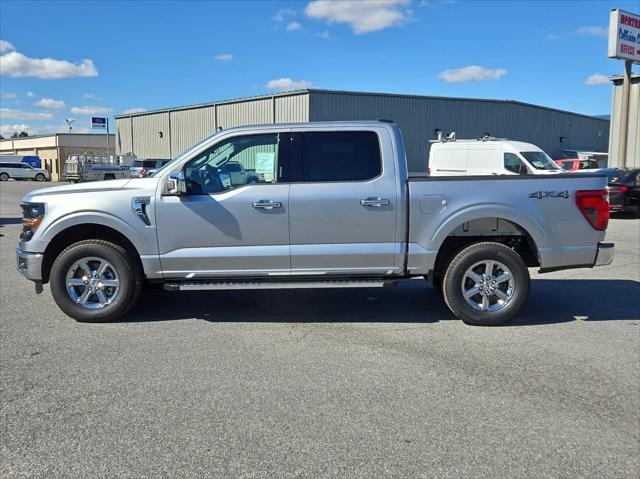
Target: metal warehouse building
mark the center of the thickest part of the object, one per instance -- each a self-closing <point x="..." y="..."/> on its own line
<point x="166" y="133"/>
<point x="633" y="131"/>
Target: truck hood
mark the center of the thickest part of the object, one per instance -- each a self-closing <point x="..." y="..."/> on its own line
<point x="93" y="187"/>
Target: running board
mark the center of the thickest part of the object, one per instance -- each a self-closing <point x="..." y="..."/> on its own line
<point x="230" y="285"/>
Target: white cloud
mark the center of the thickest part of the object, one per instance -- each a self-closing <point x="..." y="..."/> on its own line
<point x="293" y="26"/>
<point x="5" y="46"/>
<point x="283" y="14"/>
<point x="597" y="79"/>
<point x="90" y="110"/>
<point x="11" y="114"/>
<point x="134" y="110"/>
<point x="323" y="34"/>
<point x="8" y="130"/>
<point x="224" y="57"/>
<point x="50" y="103"/>
<point x="593" y="31"/>
<point x="30" y="94"/>
<point x="363" y="16"/>
<point x="285" y="84"/>
<point x="471" y="73"/>
<point x="8" y="96"/>
<point x="16" y="64"/>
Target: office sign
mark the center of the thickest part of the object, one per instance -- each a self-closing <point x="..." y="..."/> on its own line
<point x="624" y="36"/>
<point x="98" y="122"/>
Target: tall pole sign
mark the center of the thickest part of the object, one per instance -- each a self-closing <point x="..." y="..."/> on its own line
<point x="101" y="123"/>
<point x="624" y="44"/>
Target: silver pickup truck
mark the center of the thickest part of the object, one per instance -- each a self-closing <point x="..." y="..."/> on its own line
<point x="334" y="207"/>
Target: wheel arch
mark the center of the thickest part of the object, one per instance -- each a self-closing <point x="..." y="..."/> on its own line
<point x="500" y="229"/>
<point x="84" y="231"/>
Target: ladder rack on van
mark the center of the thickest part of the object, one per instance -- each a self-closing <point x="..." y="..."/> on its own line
<point x="440" y="138"/>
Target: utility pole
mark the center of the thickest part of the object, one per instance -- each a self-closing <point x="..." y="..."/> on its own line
<point x="107" y="118"/>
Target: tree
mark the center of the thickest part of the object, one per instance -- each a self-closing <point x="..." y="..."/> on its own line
<point x="22" y="134"/>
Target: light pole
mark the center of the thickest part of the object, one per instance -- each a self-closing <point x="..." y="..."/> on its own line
<point x="69" y="122"/>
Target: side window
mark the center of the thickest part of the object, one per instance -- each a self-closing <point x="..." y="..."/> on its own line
<point x="210" y="171"/>
<point x="336" y="156"/>
<point x="567" y="165"/>
<point x="514" y="164"/>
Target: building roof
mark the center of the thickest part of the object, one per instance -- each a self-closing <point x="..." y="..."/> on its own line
<point x="345" y="92"/>
<point x="51" y="135"/>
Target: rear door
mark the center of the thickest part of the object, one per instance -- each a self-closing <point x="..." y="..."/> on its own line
<point x="343" y="203"/>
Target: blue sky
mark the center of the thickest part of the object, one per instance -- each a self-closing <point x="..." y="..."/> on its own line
<point x="109" y="57"/>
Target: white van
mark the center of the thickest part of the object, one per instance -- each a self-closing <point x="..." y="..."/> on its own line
<point x="489" y="156"/>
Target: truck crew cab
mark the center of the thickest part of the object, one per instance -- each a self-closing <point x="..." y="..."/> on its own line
<point x="334" y="207"/>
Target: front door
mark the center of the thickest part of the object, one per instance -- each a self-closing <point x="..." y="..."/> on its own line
<point x="343" y="204"/>
<point x="223" y="229"/>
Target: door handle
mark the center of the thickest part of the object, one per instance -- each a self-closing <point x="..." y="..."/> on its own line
<point x="266" y="204"/>
<point x="375" y="202"/>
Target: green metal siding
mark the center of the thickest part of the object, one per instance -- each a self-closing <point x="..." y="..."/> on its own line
<point x="418" y="117"/>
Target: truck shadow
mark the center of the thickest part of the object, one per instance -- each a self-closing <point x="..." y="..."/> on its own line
<point x="551" y="301"/>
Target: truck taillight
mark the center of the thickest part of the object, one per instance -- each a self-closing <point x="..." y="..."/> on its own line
<point x="594" y="206"/>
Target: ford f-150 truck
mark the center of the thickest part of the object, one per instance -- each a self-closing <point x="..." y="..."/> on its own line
<point x="334" y="207"/>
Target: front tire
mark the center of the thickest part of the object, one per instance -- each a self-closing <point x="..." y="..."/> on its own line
<point x="486" y="284"/>
<point x="4" y="176"/>
<point x="95" y="281"/>
<point x="40" y="177"/>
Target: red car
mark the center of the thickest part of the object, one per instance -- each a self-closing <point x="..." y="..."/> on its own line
<point x="575" y="164"/>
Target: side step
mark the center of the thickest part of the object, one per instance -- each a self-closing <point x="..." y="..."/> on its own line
<point x="229" y="285"/>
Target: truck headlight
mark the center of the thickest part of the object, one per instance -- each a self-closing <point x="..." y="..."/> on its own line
<point x="32" y="214"/>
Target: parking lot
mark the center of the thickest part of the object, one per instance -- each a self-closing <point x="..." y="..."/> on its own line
<point x="324" y="383"/>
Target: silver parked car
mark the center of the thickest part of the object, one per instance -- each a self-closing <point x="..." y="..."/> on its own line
<point x="22" y="171"/>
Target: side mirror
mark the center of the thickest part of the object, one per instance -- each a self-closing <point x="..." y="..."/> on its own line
<point x="175" y="184"/>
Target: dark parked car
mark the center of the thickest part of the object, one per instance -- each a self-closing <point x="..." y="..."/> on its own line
<point x="624" y="192"/>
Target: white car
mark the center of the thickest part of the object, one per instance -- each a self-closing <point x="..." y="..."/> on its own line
<point x="489" y="156"/>
<point x="22" y="171"/>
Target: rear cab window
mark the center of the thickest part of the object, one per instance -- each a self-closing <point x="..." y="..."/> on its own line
<point x="336" y="156"/>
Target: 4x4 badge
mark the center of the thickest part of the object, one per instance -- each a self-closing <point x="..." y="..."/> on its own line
<point x="549" y="194"/>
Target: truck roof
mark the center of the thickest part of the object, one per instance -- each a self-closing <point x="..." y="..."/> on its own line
<point x="315" y="124"/>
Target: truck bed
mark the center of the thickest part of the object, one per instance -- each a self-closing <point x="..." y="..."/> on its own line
<point x="540" y="207"/>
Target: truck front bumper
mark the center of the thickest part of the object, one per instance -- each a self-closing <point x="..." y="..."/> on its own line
<point x="605" y="253"/>
<point x="30" y="264"/>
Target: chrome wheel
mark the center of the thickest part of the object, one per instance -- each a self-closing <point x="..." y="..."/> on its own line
<point x="92" y="283"/>
<point x="488" y="286"/>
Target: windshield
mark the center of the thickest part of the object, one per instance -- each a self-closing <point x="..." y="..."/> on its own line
<point x="540" y="160"/>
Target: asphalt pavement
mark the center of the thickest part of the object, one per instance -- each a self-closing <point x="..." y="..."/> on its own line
<point x="364" y="383"/>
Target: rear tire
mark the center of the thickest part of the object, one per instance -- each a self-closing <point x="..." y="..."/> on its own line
<point x="486" y="284"/>
<point x="123" y="271"/>
<point x="4" y="176"/>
